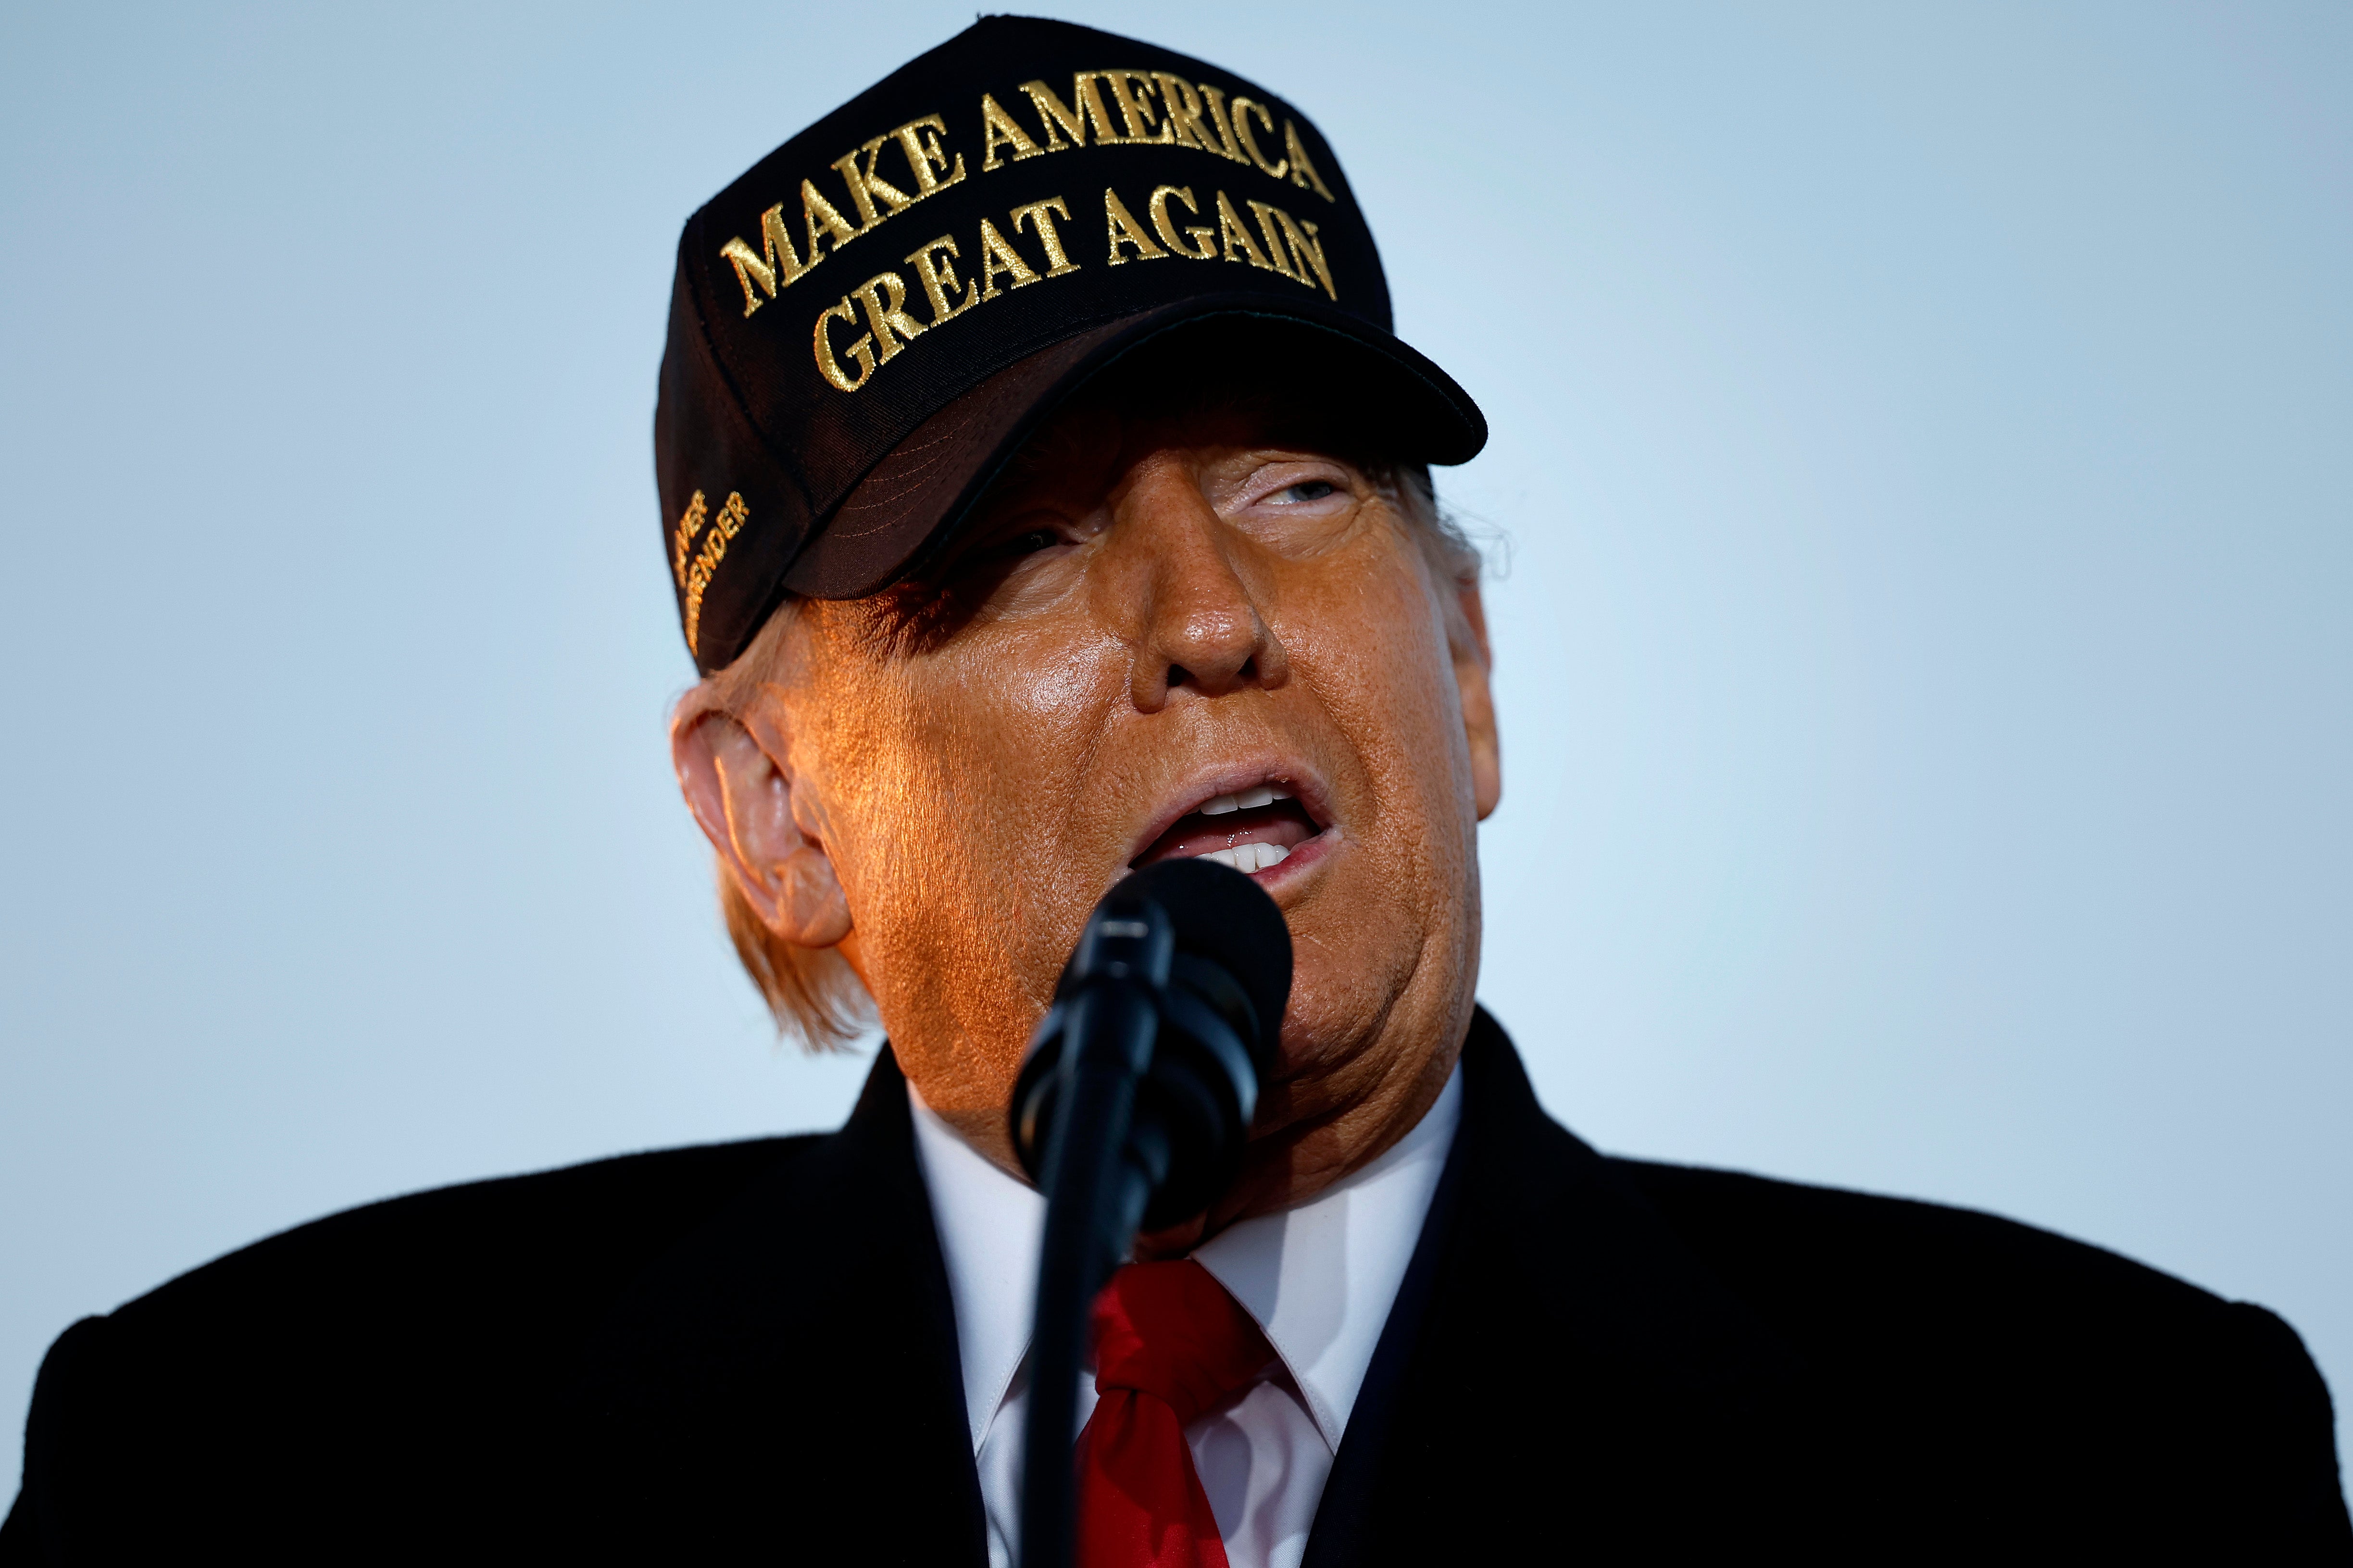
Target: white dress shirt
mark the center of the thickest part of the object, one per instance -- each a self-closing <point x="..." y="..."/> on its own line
<point x="1318" y="1279"/>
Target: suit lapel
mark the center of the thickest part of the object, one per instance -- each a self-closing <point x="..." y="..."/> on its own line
<point x="784" y="1382"/>
<point x="1558" y="1359"/>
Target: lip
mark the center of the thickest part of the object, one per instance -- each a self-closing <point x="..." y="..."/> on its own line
<point x="1295" y="778"/>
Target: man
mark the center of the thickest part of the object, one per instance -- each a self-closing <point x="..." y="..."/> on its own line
<point x="1045" y="495"/>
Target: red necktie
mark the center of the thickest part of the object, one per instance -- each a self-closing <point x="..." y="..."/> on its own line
<point x="1170" y="1344"/>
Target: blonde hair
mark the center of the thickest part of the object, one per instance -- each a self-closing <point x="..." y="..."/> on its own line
<point x="813" y="993"/>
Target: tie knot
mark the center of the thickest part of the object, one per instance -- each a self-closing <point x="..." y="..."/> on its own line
<point x="1170" y="1330"/>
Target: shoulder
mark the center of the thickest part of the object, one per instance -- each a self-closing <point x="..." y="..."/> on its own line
<point x="529" y="1242"/>
<point x="2003" y="1352"/>
<point x="1810" y="1248"/>
<point x="414" y="1339"/>
<point x="1846" y="1273"/>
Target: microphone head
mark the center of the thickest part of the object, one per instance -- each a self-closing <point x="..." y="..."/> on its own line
<point x="1210" y="953"/>
<point x="1223" y="917"/>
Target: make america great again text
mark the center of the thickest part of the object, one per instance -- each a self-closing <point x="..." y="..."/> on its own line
<point x="1110" y="107"/>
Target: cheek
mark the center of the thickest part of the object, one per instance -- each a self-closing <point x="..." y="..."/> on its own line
<point x="958" y="782"/>
<point x="1376" y="657"/>
<point x="1372" y="645"/>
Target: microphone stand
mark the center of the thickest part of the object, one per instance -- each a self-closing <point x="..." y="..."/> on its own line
<point x="1131" y="1109"/>
<point x="1096" y="1196"/>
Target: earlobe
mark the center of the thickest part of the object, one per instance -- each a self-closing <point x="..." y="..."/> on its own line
<point x="743" y="799"/>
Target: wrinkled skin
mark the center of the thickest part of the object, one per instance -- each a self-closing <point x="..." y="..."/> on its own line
<point x="943" y="780"/>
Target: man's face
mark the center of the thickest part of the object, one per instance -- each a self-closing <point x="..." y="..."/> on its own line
<point x="1166" y="635"/>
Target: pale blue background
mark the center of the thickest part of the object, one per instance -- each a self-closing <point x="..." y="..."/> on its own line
<point x="1923" y="435"/>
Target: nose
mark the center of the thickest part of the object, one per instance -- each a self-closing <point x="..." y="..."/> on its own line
<point x="1180" y="594"/>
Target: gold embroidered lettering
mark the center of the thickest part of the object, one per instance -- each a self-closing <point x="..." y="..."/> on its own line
<point x="998" y="258"/>
<point x="1243" y="109"/>
<point x="863" y="351"/>
<point x="752" y="268"/>
<point x="779" y="265"/>
<point x="1042" y="212"/>
<point x="927" y="152"/>
<point x="887" y="319"/>
<point x="865" y="184"/>
<point x="689" y="525"/>
<point x="938" y="275"/>
<point x="998" y="129"/>
<point x="1125" y="230"/>
<point x="1136" y="111"/>
<point x="1204" y="246"/>
<point x="816" y="211"/>
<point x="1182" y="105"/>
<point x="1302" y="173"/>
<point x="731" y="518"/>
<point x="1306" y="250"/>
<point x="1227" y="147"/>
<point x="1274" y="246"/>
<point x="1233" y="232"/>
<point x="1054" y="113"/>
<point x="1085" y="88"/>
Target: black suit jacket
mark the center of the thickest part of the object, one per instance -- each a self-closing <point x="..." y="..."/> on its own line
<point x="746" y="1352"/>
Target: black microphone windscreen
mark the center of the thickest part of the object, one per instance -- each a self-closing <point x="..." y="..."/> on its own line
<point x="1223" y="915"/>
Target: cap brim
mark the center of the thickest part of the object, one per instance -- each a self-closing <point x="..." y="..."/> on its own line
<point x="909" y="503"/>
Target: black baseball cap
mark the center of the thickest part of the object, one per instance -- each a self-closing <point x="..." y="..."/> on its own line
<point x="868" y="325"/>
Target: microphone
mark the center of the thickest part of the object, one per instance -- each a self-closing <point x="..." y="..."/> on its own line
<point x="1131" y="1113"/>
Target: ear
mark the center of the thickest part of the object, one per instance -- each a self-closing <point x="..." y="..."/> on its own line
<point x="743" y="799"/>
<point x="1472" y="663"/>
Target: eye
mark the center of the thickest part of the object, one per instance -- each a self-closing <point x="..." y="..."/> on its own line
<point x="1307" y="490"/>
<point x="1029" y="544"/>
<point x="1028" y="541"/>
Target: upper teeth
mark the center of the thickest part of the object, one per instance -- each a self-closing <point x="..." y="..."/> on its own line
<point x="1243" y="800"/>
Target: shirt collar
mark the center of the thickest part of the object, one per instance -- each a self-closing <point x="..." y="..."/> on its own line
<point x="1318" y="1279"/>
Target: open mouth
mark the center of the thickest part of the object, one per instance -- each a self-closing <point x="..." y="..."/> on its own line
<point x="1251" y="830"/>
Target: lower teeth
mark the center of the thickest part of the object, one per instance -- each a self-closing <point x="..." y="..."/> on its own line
<point x="1250" y="856"/>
